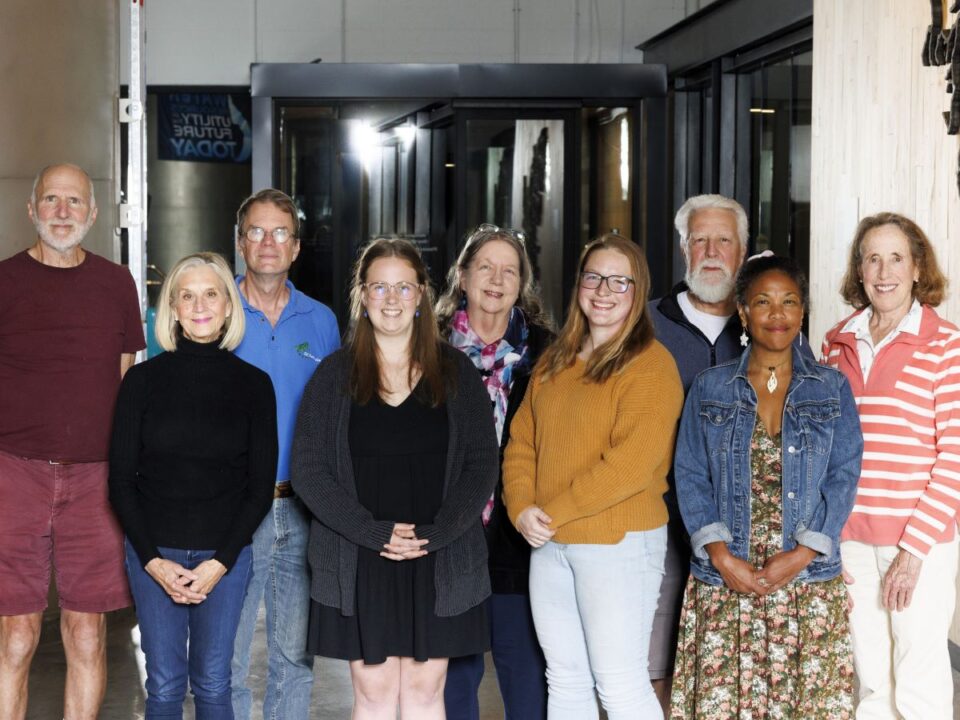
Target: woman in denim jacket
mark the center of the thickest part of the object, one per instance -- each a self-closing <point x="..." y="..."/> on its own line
<point x="767" y="461"/>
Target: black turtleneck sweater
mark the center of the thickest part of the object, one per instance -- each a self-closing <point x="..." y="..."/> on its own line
<point x="193" y="455"/>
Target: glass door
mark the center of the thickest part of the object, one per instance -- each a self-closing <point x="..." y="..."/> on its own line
<point x="512" y="169"/>
<point x="431" y="173"/>
<point x="780" y="134"/>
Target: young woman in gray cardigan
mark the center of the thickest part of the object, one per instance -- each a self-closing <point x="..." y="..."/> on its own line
<point x="395" y="456"/>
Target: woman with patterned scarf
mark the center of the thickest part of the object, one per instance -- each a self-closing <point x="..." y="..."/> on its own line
<point x="492" y="312"/>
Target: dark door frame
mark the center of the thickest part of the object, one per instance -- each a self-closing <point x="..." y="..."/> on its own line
<point x="708" y="49"/>
<point x="642" y="87"/>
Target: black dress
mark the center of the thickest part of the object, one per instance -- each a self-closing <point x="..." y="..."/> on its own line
<point x="399" y="461"/>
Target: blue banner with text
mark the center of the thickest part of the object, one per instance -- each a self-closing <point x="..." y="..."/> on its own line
<point x="204" y="127"/>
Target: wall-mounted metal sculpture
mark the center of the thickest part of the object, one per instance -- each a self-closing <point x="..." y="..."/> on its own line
<point x="942" y="47"/>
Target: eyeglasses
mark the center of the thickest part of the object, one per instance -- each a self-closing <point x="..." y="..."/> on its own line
<point x="380" y="290"/>
<point x="256" y="234"/>
<point x="615" y="283"/>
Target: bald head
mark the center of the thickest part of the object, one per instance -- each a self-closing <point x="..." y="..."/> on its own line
<point x="62" y="206"/>
<point x="38" y="181"/>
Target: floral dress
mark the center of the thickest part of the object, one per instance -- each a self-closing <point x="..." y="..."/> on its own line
<point x="785" y="655"/>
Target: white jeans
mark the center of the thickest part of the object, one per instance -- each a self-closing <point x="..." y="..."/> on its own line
<point x="901" y="658"/>
<point x="593" y="608"/>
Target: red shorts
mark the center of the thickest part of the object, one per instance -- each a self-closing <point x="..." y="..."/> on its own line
<point x="59" y="515"/>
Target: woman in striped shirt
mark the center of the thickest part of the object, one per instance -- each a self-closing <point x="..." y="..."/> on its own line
<point x="899" y="546"/>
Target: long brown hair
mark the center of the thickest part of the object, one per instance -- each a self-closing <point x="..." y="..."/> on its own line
<point x="366" y="380"/>
<point x="632" y="338"/>
<point x="930" y="288"/>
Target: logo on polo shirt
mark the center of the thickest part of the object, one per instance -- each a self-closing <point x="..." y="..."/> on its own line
<point x="303" y="350"/>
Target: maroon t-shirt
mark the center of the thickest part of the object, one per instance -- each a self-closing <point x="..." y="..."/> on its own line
<point x="62" y="331"/>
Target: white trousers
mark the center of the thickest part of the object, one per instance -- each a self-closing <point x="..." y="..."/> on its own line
<point x="593" y="608"/>
<point x="901" y="658"/>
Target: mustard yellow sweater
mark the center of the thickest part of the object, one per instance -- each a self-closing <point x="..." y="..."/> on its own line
<point x="595" y="456"/>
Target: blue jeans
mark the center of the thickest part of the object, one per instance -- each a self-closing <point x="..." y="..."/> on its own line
<point x="593" y="607"/>
<point x="517" y="658"/>
<point x="281" y="578"/>
<point x="166" y="627"/>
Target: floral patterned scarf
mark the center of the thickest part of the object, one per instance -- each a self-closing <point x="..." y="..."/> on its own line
<point x="496" y="362"/>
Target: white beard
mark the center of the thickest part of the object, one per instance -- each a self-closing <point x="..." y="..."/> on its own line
<point x="713" y="290"/>
<point x="62" y="244"/>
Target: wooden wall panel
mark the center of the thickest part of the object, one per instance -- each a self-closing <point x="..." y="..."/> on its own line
<point x="879" y="143"/>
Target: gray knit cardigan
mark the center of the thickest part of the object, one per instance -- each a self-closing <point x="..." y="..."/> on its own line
<point x="321" y="471"/>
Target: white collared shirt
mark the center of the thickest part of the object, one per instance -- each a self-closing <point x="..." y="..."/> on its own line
<point x="859" y="325"/>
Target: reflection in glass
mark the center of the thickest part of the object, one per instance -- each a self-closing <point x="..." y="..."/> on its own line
<point x="693" y="108"/>
<point x="613" y="159"/>
<point x="352" y="172"/>
<point x="515" y="179"/>
<point x="780" y="131"/>
<point x="362" y="169"/>
<point x="306" y="163"/>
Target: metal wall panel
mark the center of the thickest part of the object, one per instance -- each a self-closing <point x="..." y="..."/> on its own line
<point x="59" y="63"/>
<point x="193" y="205"/>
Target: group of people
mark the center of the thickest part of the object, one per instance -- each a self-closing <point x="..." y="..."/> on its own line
<point x="674" y="507"/>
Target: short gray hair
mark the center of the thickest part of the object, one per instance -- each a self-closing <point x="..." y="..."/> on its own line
<point x="702" y="202"/>
<point x="36" y="183"/>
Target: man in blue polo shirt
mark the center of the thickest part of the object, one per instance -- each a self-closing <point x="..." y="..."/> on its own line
<point x="287" y="334"/>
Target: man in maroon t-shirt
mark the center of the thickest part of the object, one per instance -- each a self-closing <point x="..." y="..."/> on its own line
<point x="70" y="327"/>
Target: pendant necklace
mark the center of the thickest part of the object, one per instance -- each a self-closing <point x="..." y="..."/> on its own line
<point x="772" y="382"/>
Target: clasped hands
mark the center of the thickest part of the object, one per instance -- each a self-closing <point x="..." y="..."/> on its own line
<point x="404" y="543"/>
<point x="186" y="587"/>
<point x="534" y="524"/>
<point x="742" y="577"/>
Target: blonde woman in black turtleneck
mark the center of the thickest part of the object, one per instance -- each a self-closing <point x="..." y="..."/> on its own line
<point x="192" y="467"/>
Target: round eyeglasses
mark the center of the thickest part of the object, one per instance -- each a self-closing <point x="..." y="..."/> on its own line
<point x="256" y="234"/>
<point x="380" y="290"/>
<point x="615" y="283"/>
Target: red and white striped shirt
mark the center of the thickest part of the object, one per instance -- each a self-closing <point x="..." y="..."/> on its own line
<point x="909" y="489"/>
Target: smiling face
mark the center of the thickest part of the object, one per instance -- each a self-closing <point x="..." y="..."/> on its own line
<point x="773" y="311"/>
<point x="391" y="315"/>
<point x="61" y="210"/>
<point x="887" y="270"/>
<point x="491" y="282"/>
<point x="201" y="304"/>
<point x="606" y="310"/>
<point x="713" y="254"/>
<point x="268" y="257"/>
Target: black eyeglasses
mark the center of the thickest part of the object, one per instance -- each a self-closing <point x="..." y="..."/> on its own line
<point x="615" y="283"/>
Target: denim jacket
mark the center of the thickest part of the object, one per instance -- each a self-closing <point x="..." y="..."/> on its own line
<point x="822" y="446"/>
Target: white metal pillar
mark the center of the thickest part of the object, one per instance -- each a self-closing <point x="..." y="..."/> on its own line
<point x="133" y="208"/>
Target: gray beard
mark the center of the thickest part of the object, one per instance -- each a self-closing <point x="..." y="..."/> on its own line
<point x="62" y="244"/>
<point x="709" y="292"/>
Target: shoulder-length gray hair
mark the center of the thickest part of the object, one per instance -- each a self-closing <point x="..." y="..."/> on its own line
<point x="529" y="297"/>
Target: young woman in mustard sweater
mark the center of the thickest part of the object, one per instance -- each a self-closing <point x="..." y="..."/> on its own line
<point x="584" y="477"/>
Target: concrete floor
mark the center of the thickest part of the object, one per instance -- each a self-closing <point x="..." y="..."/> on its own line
<point x="332" y="694"/>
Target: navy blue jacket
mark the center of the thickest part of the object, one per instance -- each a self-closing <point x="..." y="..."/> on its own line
<point x="690" y="348"/>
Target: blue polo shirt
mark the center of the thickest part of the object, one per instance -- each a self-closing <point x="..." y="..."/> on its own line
<point x="289" y="353"/>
